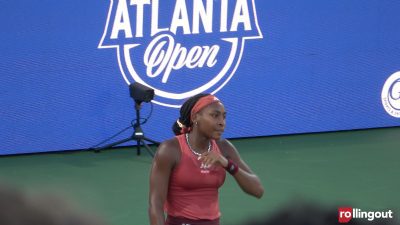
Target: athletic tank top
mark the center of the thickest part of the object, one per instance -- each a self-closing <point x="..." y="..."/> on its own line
<point x="193" y="190"/>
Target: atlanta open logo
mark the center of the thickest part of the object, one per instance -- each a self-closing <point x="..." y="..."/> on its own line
<point x="179" y="48"/>
<point x="391" y="95"/>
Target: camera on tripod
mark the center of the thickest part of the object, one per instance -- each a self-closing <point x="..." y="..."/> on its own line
<point x="140" y="93"/>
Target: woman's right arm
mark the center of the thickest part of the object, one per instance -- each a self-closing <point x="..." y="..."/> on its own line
<point x="163" y="163"/>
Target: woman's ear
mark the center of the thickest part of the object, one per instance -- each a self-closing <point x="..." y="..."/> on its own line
<point x="195" y="118"/>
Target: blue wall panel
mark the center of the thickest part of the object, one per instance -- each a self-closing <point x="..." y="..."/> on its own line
<point x="280" y="67"/>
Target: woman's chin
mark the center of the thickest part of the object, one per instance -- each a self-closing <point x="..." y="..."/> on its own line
<point x="217" y="136"/>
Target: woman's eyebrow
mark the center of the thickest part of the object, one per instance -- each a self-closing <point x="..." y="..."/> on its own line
<point x="218" y="111"/>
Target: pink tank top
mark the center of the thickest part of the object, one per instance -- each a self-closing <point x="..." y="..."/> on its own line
<point x="193" y="190"/>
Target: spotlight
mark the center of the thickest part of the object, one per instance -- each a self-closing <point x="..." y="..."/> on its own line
<point x="141" y="93"/>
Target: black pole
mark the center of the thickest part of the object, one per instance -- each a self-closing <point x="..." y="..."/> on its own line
<point x="138" y="134"/>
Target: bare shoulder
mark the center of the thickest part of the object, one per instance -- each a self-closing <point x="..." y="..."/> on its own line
<point x="168" y="151"/>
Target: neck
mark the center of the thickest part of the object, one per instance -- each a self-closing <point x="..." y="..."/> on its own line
<point x="198" y="142"/>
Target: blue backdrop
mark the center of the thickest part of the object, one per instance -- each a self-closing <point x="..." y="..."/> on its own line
<point x="280" y="67"/>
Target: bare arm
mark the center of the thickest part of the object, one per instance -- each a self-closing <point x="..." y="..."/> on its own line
<point x="247" y="180"/>
<point x="163" y="163"/>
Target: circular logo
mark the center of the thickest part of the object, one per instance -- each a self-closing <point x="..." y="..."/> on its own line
<point x="391" y="95"/>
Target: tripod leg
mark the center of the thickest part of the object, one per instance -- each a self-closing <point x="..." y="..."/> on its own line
<point x="113" y="144"/>
<point x="151" y="141"/>
<point x="138" y="147"/>
<point x="147" y="148"/>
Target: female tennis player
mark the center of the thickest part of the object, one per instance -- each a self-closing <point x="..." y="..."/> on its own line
<point x="188" y="170"/>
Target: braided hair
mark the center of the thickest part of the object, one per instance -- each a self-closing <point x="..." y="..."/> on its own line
<point x="184" y="117"/>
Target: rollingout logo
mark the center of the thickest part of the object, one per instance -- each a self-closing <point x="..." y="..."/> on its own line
<point x="345" y="214"/>
<point x="179" y="48"/>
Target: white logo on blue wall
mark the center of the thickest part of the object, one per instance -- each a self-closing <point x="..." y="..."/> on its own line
<point x="391" y="95"/>
<point x="179" y="48"/>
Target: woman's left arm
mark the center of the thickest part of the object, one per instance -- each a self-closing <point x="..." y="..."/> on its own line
<point x="247" y="180"/>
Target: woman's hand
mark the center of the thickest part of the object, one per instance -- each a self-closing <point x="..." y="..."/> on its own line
<point x="212" y="158"/>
